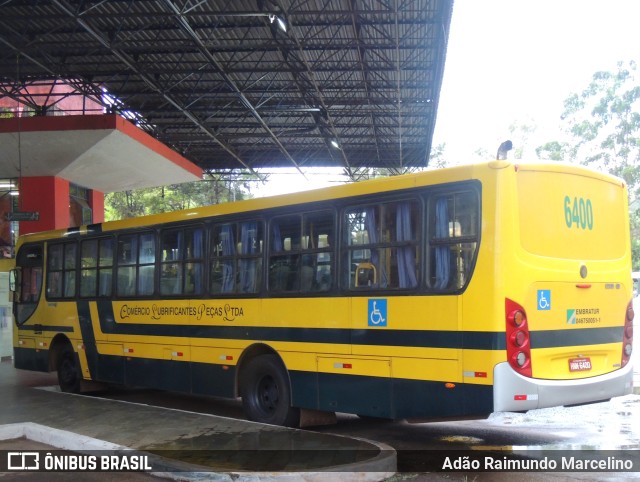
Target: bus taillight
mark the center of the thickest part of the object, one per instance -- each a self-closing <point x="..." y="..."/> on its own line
<point x="518" y="343"/>
<point x="627" y="337"/>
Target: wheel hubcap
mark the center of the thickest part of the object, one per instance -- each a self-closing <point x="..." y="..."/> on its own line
<point x="268" y="394"/>
<point x="68" y="372"/>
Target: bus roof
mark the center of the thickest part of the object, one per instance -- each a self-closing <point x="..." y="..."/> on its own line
<point x="407" y="181"/>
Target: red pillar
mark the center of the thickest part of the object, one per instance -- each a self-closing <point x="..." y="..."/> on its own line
<point x="96" y="202"/>
<point x="48" y="196"/>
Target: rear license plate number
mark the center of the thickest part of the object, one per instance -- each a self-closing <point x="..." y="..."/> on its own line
<point x="579" y="364"/>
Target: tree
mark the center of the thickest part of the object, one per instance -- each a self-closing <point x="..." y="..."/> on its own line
<point x="213" y="189"/>
<point x="437" y="158"/>
<point x="603" y="126"/>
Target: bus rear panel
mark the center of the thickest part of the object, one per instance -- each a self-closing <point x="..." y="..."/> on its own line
<point x="568" y="313"/>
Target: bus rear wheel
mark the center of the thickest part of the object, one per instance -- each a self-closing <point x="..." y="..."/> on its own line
<point x="266" y="393"/>
<point x="68" y="372"/>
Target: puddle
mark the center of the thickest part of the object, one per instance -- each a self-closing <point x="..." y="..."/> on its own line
<point x="264" y="451"/>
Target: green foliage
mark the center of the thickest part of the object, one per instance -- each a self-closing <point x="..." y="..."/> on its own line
<point x="635" y="239"/>
<point x="553" y="151"/>
<point x="436" y="156"/>
<point x="603" y="127"/>
<point x="211" y="190"/>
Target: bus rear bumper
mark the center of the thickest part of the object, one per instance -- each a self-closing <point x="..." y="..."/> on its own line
<point x="514" y="393"/>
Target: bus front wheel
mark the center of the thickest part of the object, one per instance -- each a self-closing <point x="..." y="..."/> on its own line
<point x="266" y="393"/>
<point x="68" y="372"/>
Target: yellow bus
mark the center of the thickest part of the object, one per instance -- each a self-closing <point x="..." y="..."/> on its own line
<point x="450" y="293"/>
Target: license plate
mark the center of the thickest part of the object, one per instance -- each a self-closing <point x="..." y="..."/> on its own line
<point x="579" y="364"/>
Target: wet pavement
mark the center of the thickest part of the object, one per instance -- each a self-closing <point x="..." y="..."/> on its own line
<point x="181" y="442"/>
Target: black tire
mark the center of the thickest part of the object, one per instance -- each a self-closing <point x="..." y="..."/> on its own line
<point x="266" y="393"/>
<point x="68" y="371"/>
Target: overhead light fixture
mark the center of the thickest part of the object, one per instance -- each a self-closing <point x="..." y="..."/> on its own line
<point x="278" y="19"/>
<point x="280" y="22"/>
<point x="14" y="193"/>
<point x="335" y="144"/>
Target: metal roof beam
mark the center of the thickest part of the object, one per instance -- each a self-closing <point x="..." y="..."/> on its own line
<point x="184" y="24"/>
<point x="124" y="58"/>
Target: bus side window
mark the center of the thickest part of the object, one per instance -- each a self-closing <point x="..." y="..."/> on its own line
<point x="223" y="265"/>
<point x="54" y="271"/>
<point x="382" y="245"/>
<point x="194" y="257"/>
<point x="250" y="257"/>
<point x="61" y="270"/>
<point x="146" y="264"/>
<point x="172" y="249"/>
<point x="453" y="234"/>
<point x="300" y="258"/>
<point x="136" y="264"/>
<point x="236" y="258"/>
<point x="284" y="255"/>
<point x="88" y="267"/>
<point x="126" y="271"/>
<point x="182" y="253"/>
<point x="96" y="264"/>
<point x="360" y="230"/>
<point x="105" y="267"/>
<point x="316" y="272"/>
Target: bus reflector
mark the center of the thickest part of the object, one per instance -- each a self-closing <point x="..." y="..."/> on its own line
<point x="523" y="398"/>
<point x="449" y="385"/>
<point x="128" y="350"/>
<point x="518" y="341"/>
<point x="342" y="365"/>
<point x="475" y="374"/>
<point x="226" y="357"/>
<point x="176" y="353"/>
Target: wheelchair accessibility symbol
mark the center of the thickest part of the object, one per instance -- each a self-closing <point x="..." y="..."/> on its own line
<point x="377" y="312"/>
<point x="544" y="299"/>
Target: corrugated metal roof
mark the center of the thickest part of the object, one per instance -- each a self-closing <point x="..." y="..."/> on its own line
<point x="223" y="85"/>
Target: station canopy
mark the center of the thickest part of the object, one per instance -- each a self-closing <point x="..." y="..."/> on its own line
<point x="243" y="84"/>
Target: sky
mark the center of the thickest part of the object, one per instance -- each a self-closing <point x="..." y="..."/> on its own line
<point x="518" y="60"/>
<point x="515" y="61"/>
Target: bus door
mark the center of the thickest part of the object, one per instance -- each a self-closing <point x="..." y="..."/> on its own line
<point x="26" y="283"/>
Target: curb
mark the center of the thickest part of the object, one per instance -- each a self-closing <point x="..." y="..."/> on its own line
<point x="377" y="469"/>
